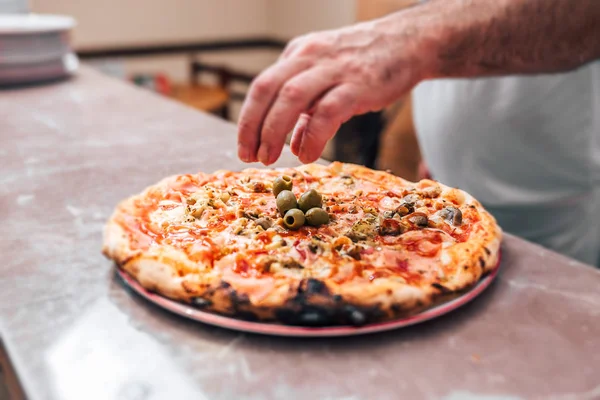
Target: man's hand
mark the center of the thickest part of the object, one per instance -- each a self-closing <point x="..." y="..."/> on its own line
<point x="321" y="81"/>
<point x="330" y="76"/>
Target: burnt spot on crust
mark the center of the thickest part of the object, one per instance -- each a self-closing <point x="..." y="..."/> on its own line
<point x="355" y="316"/>
<point x="441" y="287"/>
<point x="315" y="305"/>
<point x="247" y="315"/>
<point x="305" y="315"/>
<point x="315" y="316"/>
<point x="286" y="316"/>
<point x="238" y="299"/>
<point x="201" y="302"/>
<point x="313" y="286"/>
<point x="312" y="304"/>
<point x="310" y="315"/>
<point x="481" y="262"/>
<point x="487" y="251"/>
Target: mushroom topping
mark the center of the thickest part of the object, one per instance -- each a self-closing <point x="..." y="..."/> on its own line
<point x="411" y="199"/>
<point x="391" y="227"/>
<point x="264" y="222"/>
<point x="405" y="209"/>
<point x="362" y="230"/>
<point x="259" y="187"/>
<point x="431" y="191"/>
<point x="452" y="214"/>
<point x="419" y="219"/>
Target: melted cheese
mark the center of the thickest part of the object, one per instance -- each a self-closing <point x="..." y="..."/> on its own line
<point x="213" y="217"/>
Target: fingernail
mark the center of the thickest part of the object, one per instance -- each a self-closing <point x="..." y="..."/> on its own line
<point x="263" y="154"/>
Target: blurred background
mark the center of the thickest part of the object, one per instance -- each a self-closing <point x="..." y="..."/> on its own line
<point x="204" y="53"/>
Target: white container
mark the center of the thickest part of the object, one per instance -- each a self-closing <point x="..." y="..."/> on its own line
<point x="35" y="48"/>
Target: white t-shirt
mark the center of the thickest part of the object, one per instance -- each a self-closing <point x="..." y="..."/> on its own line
<point x="528" y="147"/>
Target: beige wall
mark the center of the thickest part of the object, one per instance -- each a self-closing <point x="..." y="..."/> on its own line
<point x="370" y="9"/>
<point x="290" y="18"/>
<point x="123" y="22"/>
<point x="120" y="22"/>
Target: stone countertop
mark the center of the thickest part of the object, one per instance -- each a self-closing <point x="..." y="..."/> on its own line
<point x="70" y="151"/>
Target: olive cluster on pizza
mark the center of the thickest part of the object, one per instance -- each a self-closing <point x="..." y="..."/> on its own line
<point x="313" y="245"/>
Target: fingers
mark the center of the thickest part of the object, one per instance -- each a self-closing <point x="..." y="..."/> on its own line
<point x="289" y="48"/>
<point x="295" y="97"/>
<point x="261" y="95"/>
<point x="335" y="108"/>
<point x="298" y="132"/>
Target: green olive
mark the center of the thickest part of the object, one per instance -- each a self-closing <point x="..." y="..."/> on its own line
<point x="286" y="201"/>
<point x="293" y="219"/>
<point x="310" y="199"/>
<point x="282" y="183"/>
<point x="317" y="216"/>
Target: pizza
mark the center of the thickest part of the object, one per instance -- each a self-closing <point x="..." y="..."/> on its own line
<point x="313" y="245"/>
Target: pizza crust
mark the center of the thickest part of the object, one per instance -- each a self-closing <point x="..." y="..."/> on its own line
<point x="300" y="297"/>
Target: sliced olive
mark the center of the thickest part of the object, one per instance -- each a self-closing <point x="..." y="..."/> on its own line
<point x="452" y="215"/>
<point x="264" y="223"/>
<point x="317" y="216"/>
<point x="293" y="219"/>
<point x="282" y="183"/>
<point x="310" y="199"/>
<point x="286" y="201"/>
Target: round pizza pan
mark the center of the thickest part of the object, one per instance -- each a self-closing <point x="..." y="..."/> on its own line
<point x="275" y="329"/>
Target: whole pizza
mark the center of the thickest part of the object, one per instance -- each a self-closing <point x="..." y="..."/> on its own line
<point x="314" y="245"/>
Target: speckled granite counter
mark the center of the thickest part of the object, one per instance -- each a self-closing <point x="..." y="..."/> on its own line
<point x="70" y="151"/>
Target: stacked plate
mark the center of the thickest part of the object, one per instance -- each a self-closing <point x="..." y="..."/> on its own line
<point x="35" y="48"/>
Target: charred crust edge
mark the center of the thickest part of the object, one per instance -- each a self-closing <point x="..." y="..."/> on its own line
<point x="441" y="287"/>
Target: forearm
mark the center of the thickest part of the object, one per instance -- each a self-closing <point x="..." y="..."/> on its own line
<point x="471" y="38"/>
